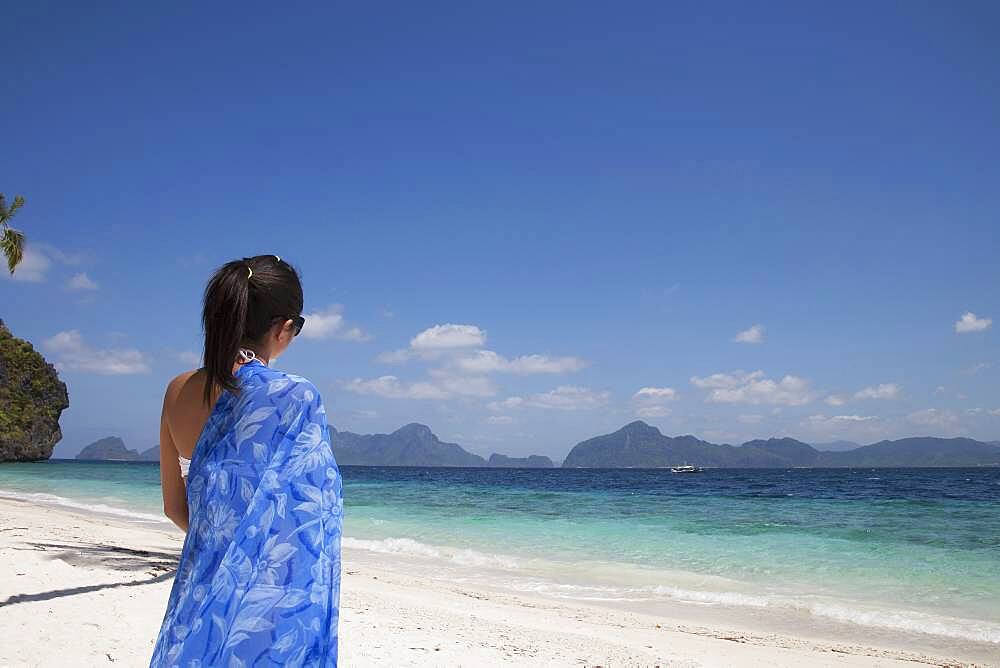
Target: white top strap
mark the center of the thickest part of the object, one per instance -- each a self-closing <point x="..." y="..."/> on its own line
<point x="185" y="465"/>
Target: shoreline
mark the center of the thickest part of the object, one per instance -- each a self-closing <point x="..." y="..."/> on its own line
<point x="102" y="581"/>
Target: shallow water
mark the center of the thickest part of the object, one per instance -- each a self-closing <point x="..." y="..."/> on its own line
<point x="908" y="550"/>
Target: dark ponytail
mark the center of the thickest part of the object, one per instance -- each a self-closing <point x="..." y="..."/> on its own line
<point x="243" y="299"/>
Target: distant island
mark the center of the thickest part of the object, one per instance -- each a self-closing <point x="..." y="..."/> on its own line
<point x="639" y="445"/>
<point x="410" y="445"/>
<point x="416" y="445"/>
<point x="113" y="448"/>
<point x="529" y="462"/>
<point x="636" y="445"/>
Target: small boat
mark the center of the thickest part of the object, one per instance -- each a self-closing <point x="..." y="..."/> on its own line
<point x="686" y="468"/>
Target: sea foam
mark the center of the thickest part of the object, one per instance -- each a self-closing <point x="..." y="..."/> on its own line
<point x="414" y="548"/>
<point x="77" y="504"/>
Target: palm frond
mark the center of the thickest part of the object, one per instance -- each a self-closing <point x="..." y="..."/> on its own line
<point x="12" y="245"/>
<point x="17" y="204"/>
<point x="5" y="213"/>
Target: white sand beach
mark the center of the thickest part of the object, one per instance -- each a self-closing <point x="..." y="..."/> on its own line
<point x="86" y="590"/>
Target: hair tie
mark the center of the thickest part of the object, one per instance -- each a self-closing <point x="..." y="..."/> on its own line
<point x="277" y="259"/>
<point x="249" y="272"/>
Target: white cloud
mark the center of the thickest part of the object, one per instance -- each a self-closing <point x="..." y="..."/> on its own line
<point x="933" y="417"/>
<point x="564" y="397"/>
<point x="976" y="368"/>
<point x="76" y="355"/>
<point x="753" y="335"/>
<point x="487" y="361"/>
<point x="970" y="322"/>
<point x="570" y="398"/>
<point x="655" y="394"/>
<point x="725" y="380"/>
<point x="995" y="411"/>
<point x="324" y="323"/>
<point x="354" y="334"/>
<point x="652" y="411"/>
<point x="652" y="401"/>
<point x="499" y="419"/>
<point x="465" y="386"/>
<point x="451" y="343"/>
<point x="447" y="337"/>
<point x="61" y="256"/>
<point x="883" y="391"/>
<point x="463" y="367"/>
<point x="442" y="386"/>
<point x="189" y="357"/>
<point x="390" y="387"/>
<point x="506" y="404"/>
<point x="824" y="421"/>
<point x="37" y="260"/>
<point x="81" y="281"/>
<point x="33" y="268"/>
<point x="835" y="400"/>
<point x="754" y="388"/>
<point x="329" y="323"/>
<point x="436" y="342"/>
<point x="529" y="364"/>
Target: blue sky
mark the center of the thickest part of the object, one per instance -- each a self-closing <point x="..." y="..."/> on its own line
<point x="513" y="219"/>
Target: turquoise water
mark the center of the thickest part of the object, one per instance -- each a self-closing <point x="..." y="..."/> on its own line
<point x="910" y="550"/>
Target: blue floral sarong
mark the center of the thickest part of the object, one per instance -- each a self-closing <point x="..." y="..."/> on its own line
<point x="258" y="582"/>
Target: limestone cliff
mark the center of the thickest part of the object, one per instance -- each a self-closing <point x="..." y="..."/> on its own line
<point x="31" y="400"/>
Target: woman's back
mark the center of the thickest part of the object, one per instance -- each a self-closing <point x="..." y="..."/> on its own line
<point x="259" y="573"/>
<point x="185" y="410"/>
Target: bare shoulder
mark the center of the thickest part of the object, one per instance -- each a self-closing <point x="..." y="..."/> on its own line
<point x="185" y="388"/>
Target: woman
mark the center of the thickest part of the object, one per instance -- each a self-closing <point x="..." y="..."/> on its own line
<point x="247" y="470"/>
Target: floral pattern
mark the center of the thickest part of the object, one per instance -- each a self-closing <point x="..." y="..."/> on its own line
<point x="259" y="577"/>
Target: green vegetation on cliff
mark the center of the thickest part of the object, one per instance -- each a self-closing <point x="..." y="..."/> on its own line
<point x="31" y="399"/>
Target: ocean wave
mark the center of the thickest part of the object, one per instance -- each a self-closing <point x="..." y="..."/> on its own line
<point x="414" y="548"/>
<point x="77" y="504"/>
<point x="910" y="621"/>
<point x="907" y="621"/>
<point x="612" y="593"/>
<point x="714" y="597"/>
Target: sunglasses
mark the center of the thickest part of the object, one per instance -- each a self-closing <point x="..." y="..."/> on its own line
<point x="297" y="321"/>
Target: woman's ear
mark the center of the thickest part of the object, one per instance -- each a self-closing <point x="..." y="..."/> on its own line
<point x="287" y="331"/>
<point x="278" y="331"/>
